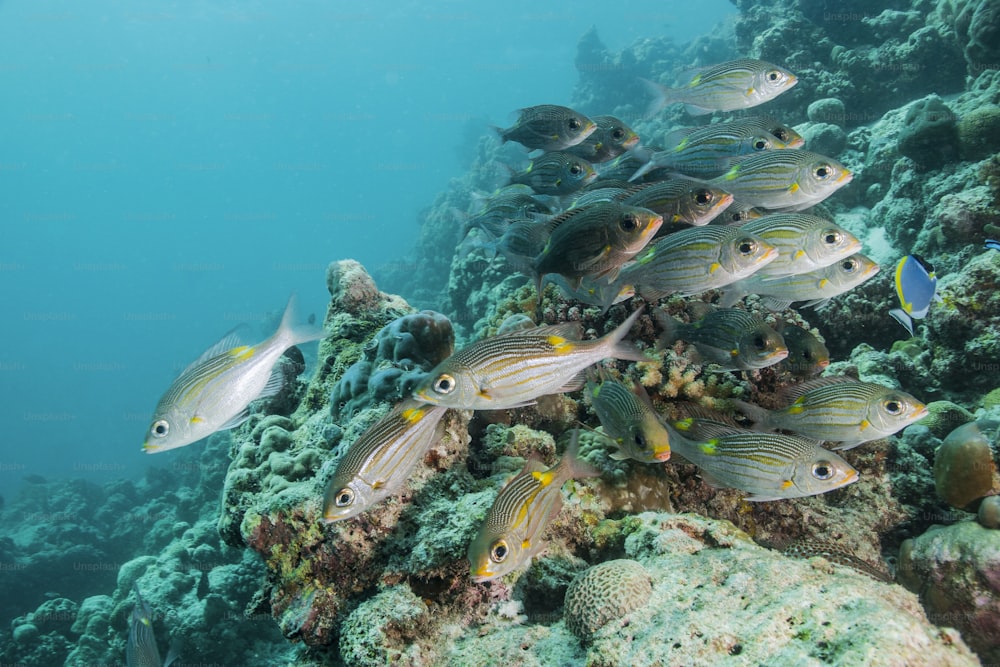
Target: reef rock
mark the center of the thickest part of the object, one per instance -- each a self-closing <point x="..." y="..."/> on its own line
<point x="956" y="571"/>
<point x="717" y="595"/>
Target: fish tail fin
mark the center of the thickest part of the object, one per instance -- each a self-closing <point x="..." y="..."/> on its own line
<point x="572" y="465"/>
<point x="903" y="318"/>
<point x="662" y="96"/>
<point x="642" y="171"/>
<point x="617" y="347"/>
<point x="760" y="417"/>
<point x="669" y="326"/>
<point x="294" y="334"/>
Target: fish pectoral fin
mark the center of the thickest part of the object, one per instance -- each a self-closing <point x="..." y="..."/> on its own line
<point x="236" y="420"/>
<point x="274" y="384"/>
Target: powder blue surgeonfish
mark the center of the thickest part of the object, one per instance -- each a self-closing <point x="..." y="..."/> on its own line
<point x="916" y="284"/>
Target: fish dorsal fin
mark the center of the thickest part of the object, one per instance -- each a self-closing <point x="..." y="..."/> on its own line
<point x="233" y="338"/>
<point x="568" y="330"/>
<point x="794" y="392"/>
<point x="700" y="309"/>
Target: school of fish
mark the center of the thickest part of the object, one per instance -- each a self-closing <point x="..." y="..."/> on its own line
<point x="609" y="220"/>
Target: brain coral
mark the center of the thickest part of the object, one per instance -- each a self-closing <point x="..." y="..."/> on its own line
<point x="603" y="593"/>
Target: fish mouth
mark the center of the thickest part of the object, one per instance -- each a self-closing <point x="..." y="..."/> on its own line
<point x="481" y="576"/>
<point x="919" y="413"/>
<point x="662" y="455"/>
<point x="846" y="175"/>
<point x="850" y="477"/>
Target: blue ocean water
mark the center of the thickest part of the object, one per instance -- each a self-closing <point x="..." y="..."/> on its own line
<point x="171" y="169"/>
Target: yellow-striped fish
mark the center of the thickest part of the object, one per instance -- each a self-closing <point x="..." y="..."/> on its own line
<point x="838" y="409"/>
<point x="513" y="370"/>
<point x="814" y="287"/>
<point x="141" y="649"/>
<point x="611" y="138"/>
<point x="628" y="418"/>
<point x="737" y="84"/>
<point x="789" y="179"/>
<point x="212" y="394"/>
<point x="704" y="152"/>
<point x="378" y="463"/>
<point x="731" y="338"/>
<point x="804" y="242"/>
<point x="694" y="260"/>
<point x="681" y="201"/>
<point x="768" y="466"/>
<point x="512" y="533"/>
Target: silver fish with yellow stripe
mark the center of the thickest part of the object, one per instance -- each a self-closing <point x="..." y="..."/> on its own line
<point x="513" y="370"/>
<point x="556" y="173"/>
<point x="628" y="418"/>
<point x="814" y="287"/>
<point x="804" y="242"/>
<point x="731" y="338"/>
<point x="681" y="201"/>
<point x="380" y="461"/>
<point x="788" y="179"/>
<point x="736" y="84"/>
<point x="611" y="138"/>
<point x="212" y="394"/>
<point x="768" y="466"/>
<point x="141" y="649"/>
<point x="705" y="152"/>
<point x="692" y="261"/>
<point x="512" y="532"/>
<point x="838" y="409"/>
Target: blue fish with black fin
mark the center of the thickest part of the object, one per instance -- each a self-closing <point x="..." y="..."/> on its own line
<point x="916" y="287"/>
<point x="992" y="244"/>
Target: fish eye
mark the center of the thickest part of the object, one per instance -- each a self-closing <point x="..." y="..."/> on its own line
<point x="893" y="407"/>
<point x="629" y="223"/>
<point x="445" y="384"/>
<point x="499" y="551"/>
<point x="618" y="133"/>
<point x="640" y="442"/>
<point x="822" y="470"/>
<point x="760" y="144"/>
<point x="823" y="172"/>
<point x="703" y="197"/>
<point x="833" y="238"/>
<point x="759" y="342"/>
<point x="575" y="124"/>
<point x="780" y="133"/>
<point x="849" y="265"/>
<point x="774" y="75"/>
<point x="747" y="247"/>
<point x="575" y="169"/>
<point x="345" y="497"/>
<point x="160" y="428"/>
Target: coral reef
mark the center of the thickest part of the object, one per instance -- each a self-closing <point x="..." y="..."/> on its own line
<point x="718" y="598"/>
<point x="953" y="568"/>
<point x="964" y="468"/>
<point x="605" y="592"/>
